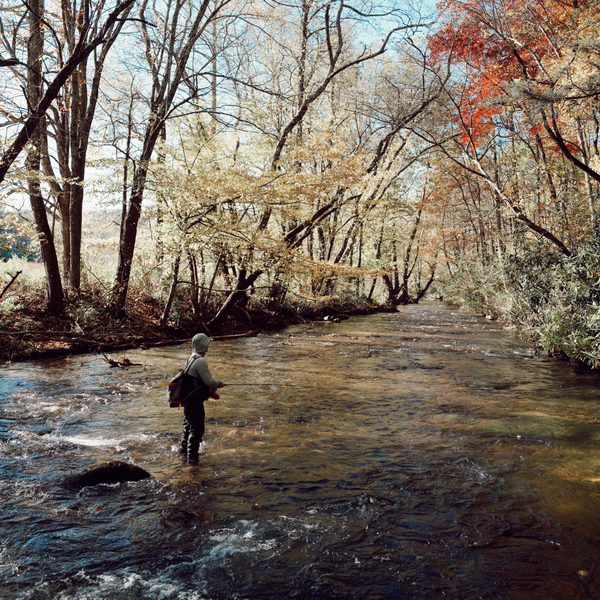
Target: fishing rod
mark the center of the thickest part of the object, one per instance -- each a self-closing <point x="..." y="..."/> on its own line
<point x="245" y="384"/>
<point x="286" y="384"/>
<point x="230" y="384"/>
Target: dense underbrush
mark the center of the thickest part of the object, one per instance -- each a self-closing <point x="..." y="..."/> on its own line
<point x="552" y="299"/>
<point x="27" y="330"/>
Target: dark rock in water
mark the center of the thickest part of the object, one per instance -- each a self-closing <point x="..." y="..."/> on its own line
<point x="110" y="472"/>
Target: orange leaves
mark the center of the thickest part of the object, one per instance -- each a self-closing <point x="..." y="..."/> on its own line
<point x="493" y="39"/>
<point x="504" y="50"/>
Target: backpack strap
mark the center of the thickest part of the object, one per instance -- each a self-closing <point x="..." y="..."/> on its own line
<point x="185" y="372"/>
<point x="188" y="367"/>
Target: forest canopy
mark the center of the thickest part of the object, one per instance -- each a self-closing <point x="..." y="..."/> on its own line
<point x="270" y="154"/>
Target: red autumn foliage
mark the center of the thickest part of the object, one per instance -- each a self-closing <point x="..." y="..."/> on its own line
<point x="495" y="43"/>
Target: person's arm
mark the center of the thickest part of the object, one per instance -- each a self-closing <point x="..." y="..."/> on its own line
<point x="200" y="367"/>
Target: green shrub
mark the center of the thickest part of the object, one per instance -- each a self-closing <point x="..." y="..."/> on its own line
<point x="557" y="298"/>
<point x="478" y="286"/>
<point x="553" y="299"/>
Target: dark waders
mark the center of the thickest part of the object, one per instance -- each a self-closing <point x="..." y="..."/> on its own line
<point x="193" y="429"/>
<point x="193" y="410"/>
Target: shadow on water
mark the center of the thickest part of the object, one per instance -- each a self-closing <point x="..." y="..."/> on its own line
<point x="423" y="454"/>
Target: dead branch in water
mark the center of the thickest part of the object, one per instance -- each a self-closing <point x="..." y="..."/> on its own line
<point x="120" y="363"/>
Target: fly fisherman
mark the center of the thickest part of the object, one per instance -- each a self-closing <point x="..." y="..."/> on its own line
<point x="197" y="388"/>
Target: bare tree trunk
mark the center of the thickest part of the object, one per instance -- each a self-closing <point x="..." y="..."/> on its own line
<point x="35" y="51"/>
<point x="174" y="281"/>
<point x="588" y="180"/>
<point x="213" y="83"/>
<point x="423" y="291"/>
<point x="61" y="193"/>
<point x="165" y="88"/>
<point x="129" y="226"/>
<point x="194" y="280"/>
<point x="39" y="108"/>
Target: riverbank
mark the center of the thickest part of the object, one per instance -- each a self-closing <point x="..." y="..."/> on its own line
<point x="28" y="331"/>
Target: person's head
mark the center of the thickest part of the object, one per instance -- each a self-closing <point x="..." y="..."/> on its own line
<point x="200" y="344"/>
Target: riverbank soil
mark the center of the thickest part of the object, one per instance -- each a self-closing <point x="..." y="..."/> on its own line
<point x="28" y="331"/>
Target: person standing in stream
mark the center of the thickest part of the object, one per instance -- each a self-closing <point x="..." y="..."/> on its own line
<point x="197" y="387"/>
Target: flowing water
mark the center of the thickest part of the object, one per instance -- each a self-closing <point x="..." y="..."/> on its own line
<point x="421" y="454"/>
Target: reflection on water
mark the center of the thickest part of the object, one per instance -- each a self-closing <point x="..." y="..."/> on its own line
<point x="423" y="454"/>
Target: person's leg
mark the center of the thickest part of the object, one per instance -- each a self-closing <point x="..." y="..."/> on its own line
<point x="195" y="417"/>
<point x="185" y="437"/>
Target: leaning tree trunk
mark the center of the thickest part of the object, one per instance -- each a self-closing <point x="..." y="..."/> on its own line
<point x="431" y="279"/>
<point x="242" y="285"/>
<point x="126" y="251"/>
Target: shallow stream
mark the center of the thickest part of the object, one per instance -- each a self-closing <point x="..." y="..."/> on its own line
<point x="422" y="454"/>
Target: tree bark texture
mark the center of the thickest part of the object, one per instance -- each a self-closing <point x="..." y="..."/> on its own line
<point x="35" y="52"/>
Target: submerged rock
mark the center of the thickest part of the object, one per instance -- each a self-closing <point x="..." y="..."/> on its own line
<point x="110" y="472"/>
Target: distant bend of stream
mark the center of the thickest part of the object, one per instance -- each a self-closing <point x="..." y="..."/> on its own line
<point x="421" y="454"/>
